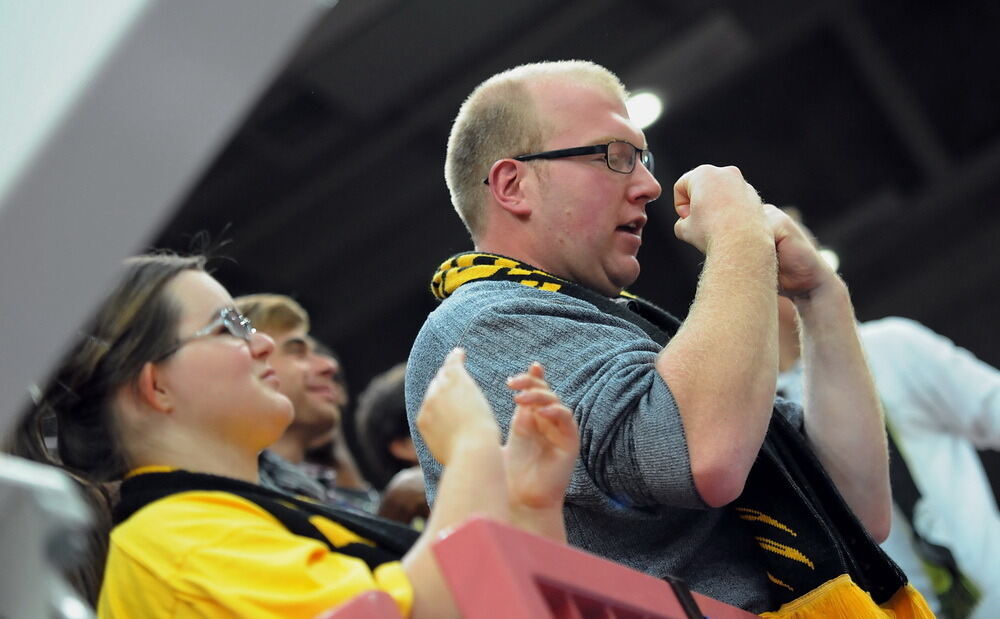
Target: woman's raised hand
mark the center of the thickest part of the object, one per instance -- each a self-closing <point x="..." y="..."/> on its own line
<point x="544" y="443"/>
<point x="455" y="411"/>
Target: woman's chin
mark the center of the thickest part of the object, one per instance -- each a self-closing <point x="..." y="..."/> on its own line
<point x="285" y="410"/>
<point x="276" y="419"/>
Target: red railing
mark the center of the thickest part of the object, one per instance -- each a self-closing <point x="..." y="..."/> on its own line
<point x="369" y="605"/>
<point x="498" y="572"/>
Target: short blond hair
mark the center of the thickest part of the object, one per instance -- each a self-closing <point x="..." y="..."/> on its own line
<point x="273" y="313"/>
<point x="499" y="119"/>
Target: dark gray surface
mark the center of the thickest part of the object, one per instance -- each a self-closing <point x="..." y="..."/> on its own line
<point x="151" y="117"/>
<point x="877" y="119"/>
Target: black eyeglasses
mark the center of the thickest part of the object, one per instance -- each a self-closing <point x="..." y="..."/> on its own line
<point x="618" y="154"/>
<point x="236" y="323"/>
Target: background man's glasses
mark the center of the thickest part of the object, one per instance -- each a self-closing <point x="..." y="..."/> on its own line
<point x="618" y="154"/>
<point x="236" y="323"/>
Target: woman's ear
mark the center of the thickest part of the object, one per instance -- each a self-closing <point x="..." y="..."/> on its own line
<point x="151" y="390"/>
<point x="507" y="182"/>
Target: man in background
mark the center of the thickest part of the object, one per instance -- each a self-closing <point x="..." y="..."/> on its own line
<point x="385" y="442"/>
<point x="308" y="379"/>
<point x="941" y="403"/>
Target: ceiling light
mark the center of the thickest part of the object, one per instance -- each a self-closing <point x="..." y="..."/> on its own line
<point x="830" y="257"/>
<point x="644" y="108"/>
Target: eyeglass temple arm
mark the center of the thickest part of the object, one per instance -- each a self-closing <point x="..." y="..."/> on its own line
<point x="565" y="152"/>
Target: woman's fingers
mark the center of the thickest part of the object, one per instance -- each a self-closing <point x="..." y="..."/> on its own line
<point x="536" y="370"/>
<point x="521" y="382"/>
<point x="533" y="377"/>
<point x="535" y="397"/>
<point x="556" y="422"/>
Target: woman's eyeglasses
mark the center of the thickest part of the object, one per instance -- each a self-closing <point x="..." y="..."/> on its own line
<point x="236" y="323"/>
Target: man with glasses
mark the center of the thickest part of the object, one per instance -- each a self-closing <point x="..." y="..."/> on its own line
<point x="553" y="180"/>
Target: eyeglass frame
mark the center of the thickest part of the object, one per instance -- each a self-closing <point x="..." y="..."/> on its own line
<point x="235" y="323"/>
<point x="576" y="151"/>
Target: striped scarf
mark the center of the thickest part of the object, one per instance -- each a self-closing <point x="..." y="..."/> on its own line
<point x="389" y="540"/>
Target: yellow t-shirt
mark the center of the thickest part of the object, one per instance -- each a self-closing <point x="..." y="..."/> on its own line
<point x="215" y="554"/>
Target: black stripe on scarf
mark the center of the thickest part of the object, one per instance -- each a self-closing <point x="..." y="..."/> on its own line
<point x="462" y="268"/>
<point x="391" y="540"/>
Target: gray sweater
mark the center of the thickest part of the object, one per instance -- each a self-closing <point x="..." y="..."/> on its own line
<point x="632" y="497"/>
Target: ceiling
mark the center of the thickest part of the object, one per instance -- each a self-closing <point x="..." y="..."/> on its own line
<point x="879" y="120"/>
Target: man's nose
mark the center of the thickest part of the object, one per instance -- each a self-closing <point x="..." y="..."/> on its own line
<point x="644" y="187"/>
<point x="326" y="366"/>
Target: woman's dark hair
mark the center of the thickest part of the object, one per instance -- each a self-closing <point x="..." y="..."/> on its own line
<point x="380" y="419"/>
<point x="136" y="323"/>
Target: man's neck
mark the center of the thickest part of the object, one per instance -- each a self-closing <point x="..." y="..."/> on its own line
<point x="518" y="251"/>
<point x="289" y="447"/>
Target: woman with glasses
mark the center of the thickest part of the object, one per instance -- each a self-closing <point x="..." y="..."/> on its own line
<point x="170" y="389"/>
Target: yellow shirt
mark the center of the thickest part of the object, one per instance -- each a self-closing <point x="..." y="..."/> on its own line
<point x="215" y="554"/>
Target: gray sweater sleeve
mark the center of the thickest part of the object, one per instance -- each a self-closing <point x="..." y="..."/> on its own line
<point x="633" y="450"/>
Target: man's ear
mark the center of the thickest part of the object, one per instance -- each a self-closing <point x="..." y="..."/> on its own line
<point x="151" y="390"/>
<point x="403" y="448"/>
<point x="507" y="184"/>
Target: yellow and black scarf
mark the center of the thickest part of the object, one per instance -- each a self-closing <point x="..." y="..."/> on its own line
<point x="657" y="323"/>
<point x="390" y="540"/>
<point x="815" y="551"/>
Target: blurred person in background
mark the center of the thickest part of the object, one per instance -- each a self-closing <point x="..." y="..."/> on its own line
<point x="385" y="442"/>
<point x="330" y="459"/>
<point x="941" y="403"/>
<point x="309" y="379"/>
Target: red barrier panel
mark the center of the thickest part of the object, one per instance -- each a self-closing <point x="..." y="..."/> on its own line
<point x="370" y="605"/>
<point x="498" y="572"/>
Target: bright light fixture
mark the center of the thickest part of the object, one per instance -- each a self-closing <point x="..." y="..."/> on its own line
<point x="830" y="257"/>
<point x="644" y="108"/>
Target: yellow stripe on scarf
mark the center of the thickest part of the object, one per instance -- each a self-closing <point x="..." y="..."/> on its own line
<point x="465" y="268"/>
<point x="786" y="551"/>
<point x="778" y="582"/>
<point x="754" y="515"/>
<point x="453" y="278"/>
